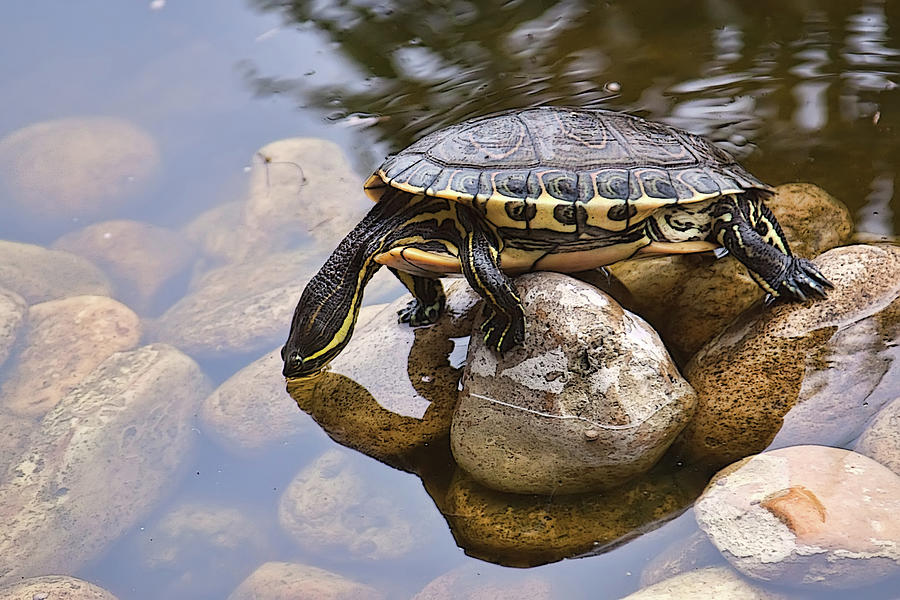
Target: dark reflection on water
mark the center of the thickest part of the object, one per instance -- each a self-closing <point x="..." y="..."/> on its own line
<point x="812" y="85"/>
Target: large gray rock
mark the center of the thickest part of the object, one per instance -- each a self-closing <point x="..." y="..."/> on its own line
<point x="881" y="438"/>
<point x="12" y="314"/>
<point x="54" y="587"/>
<point x="76" y="166"/>
<point x="99" y="462"/>
<point x="800" y="373"/>
<point x="294" y="581"/>
<point x="65" y="340"/>
<point x="38" y="274"/>
<point x="588" y="401"/>
<point x="703" y="584"/>
<point x="806" y="516"/>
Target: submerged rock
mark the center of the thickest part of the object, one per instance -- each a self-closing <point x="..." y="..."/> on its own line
<point x="881" y="438"/>
<point x="142" y="258"/>
<point x="54" y="587"/>
<point x="681" y="556"/>
<point x="294" y="581"/>
<point x="12" y="315"/>
<point x="76" y="166"/>
<point x="99" y="461"/>
<point x="39" y="275"/>
<point x="588" y="401"/>
<point x="691" y="298"/>
<point x="14" y="433"/>
<point x="810" y="373"/>
<point x="66" y="339"/>
<point x="475" y="583"/>
<point x="702" y="584"/>
<point x="807" y="516"/>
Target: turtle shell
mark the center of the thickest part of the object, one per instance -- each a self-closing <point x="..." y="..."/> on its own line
<point x="562" y="168"/>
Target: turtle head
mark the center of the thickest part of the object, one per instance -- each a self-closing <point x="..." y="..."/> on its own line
<point x="318" y="334"/>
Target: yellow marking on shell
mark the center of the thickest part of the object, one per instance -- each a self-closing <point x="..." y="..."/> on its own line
<point x="375" y="185"/>
<point x="573" y="262"/>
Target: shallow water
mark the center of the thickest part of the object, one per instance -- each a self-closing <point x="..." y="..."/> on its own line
<point x="799" y="90"/>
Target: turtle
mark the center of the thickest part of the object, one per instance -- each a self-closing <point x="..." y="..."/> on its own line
<point x="543" y="188"/>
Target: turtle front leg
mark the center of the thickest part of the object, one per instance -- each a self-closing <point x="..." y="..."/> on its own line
<point x="746" y="227"/>
<point x="428" y="299"/>
<point x="479" y="257"/>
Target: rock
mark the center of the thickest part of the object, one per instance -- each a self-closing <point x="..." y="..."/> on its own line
<point x="806" y="516"/>
<point x="76" y="167"/>
<point x="38" y="274"/>
<point x="477" y="583"/>
<point x="142" y="258"/>
<point x="816" y="371"/>
<point x="588" y="401"/>
<point x="213" y="232"/>
<point x="881" y="438"/>
<point x="329" y="506"/>
<point x="690" y="298"/>
<point x="292" y="581"/>
<point x="683" y="555"/>
<point x="65" y="341"/>
<point x="54" y="587"/>
<point x="518" y="530"/>
<point x="252" y="410"/>
<point x="99" y="461"/>
<point x="711" y="582"/>
<point x="365" y="401"/>
<point x="14" y="433"/>
<point x="12" y="314"/>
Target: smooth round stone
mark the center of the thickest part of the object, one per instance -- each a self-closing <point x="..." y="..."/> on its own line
<point x="683" y="555"/>
<point x="469" y="582"/>
<point x="140" y="257"/>
<point x="691" y="298"/>
<point x="12" y="315"/>
<point x="54" y="587"/>
<point x="703" y="584"/>
<point x="294" y="581"/>
<point x="806" y="516"/>
<point x="66" y="339"/>
<point x="14" y="432"/>
<point x="881" y="438"/>
<point x="519" y="530"/>
<point x="99" y="461"/>
<point x="76" y="166"/>
<point x="392" y="391"/>
<point x="589" y="400"/>
<point x="797" y="373"/>
<point x="251" y="410"/>
<point x="38" y="274"/>
<point x="214" y="230"/>
<point x="330" y="507"/>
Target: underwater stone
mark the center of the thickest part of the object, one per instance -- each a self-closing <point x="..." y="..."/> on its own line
<point x="39" y="275"/>
<point x="294" y="581"/>
<point x="54" y="587"/>
<point x="881" y="438"/>
<point x="711" y="582"/>
<point x="12" y="315"/>
<point x="470" y="582"/>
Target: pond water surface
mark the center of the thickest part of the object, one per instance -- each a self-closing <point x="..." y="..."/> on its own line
<point x="798" y="90"/>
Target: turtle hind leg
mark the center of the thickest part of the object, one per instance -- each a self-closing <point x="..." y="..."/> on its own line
<point x="428" y="300"/>
<point x="479" y="255"/>
<point x="746" y="227"/>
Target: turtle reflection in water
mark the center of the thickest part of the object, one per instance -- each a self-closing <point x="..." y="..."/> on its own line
<point x="553" y="189"/>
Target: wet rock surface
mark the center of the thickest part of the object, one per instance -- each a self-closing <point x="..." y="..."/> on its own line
<point x="588" y="401"/>
<point x="470" y="583"/>
<point x="393" y="390"/>
<point x="711" y="582"/>
<point x="684" y="555"/>
<point x="38" y="274"/>
<point x="76" y="166"/>
<point x="140" y="257"/>
<point x="12" y="315"/>
<point x="65" y="340"/>
<point x="329" y="506"/>
<point x="806" y="516"/>
<point x="881" y="438"/>
<point x="690" y="298"/>
<point x="108" y="451"/>
<point x="294" y="581"/>
<point x="54" y="587"/>
<point x="810" y="373"/>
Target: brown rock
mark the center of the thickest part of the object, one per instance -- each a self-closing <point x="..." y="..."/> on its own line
<point x="12" y="315"/>
<point x="806" y="516"/>
<point x="39" y="275"/>
<point x="65" y="340"/>
<point x="588" y="401"/>
<point x="881" y="438"/>
<point x="54" y="587"/>
<point x="142" y="258"/>
<point x="292" y="581"/>
<point x="815" y="371"/>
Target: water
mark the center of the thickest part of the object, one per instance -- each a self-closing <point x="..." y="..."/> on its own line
<point x="800" y="91"/>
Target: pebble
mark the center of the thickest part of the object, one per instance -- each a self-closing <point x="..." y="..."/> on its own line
<point x="482" y="583"/>
<point x="295" y="581"/>
<point x="39" y="275"/>
<point x="54" y="587"/>
<point x="702" y="584"/>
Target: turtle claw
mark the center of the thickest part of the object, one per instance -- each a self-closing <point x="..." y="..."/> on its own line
<point x="417" y="313"/>
<point x="803" y="280"/>
<point x="501" y="332"/>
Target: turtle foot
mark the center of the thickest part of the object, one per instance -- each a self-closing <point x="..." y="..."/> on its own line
<point x="417" y="313"/>
<point x="502" y="332"/>
<point x="803" y="281"/>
